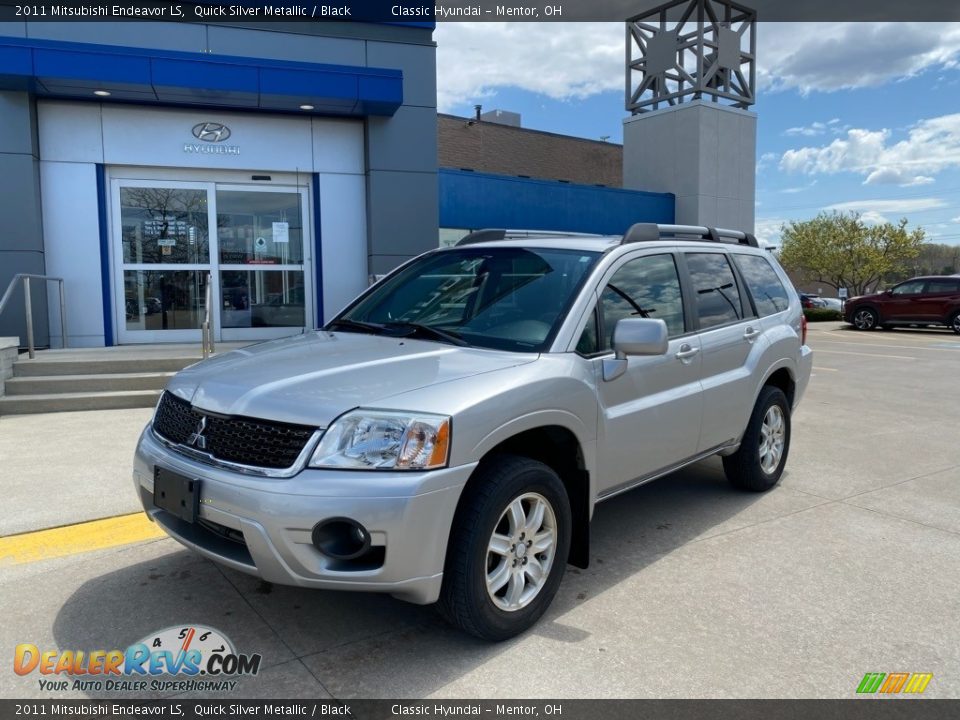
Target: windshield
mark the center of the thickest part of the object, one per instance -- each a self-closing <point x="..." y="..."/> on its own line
<point x="502" y="298"/>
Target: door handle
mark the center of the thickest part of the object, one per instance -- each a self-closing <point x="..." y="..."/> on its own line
<point x="750" y="334"/>
<point x="686" y="352"/>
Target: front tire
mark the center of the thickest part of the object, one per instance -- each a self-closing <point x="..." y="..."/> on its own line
<point x="955" y="322"/>
<point x="758" y="463"/>
<point x="508" y="549"/>
<point x="865" y="319"/>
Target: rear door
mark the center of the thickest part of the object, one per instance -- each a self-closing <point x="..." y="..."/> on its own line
<point x="728" y="330"/>
<point x="942" y="296"/>
<point x="649" y="415"/>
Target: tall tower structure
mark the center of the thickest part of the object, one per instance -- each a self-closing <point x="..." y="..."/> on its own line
<point x="690" y="81"/>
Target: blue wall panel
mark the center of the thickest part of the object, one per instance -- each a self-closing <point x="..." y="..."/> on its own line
<point x="475" y="200"/>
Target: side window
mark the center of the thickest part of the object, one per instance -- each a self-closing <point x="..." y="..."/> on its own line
<point x="648" y="287"/>
<point x="947" y="285"/>
<point x="910" y="288"/>
<point x="764" y="284"/>
<point x="715" y="288"/>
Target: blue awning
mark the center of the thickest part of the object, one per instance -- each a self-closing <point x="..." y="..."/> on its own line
<point x="76" y="70"/>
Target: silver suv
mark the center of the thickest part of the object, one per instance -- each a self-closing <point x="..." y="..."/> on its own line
<point x="446" y="437"/>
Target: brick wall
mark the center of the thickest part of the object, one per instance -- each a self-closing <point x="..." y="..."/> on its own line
<point x="490" y="147"/>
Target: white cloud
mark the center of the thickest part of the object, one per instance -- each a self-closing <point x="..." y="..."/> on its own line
<point x="872" y="217"/>
<point x="560" y="60"/>
<point x="816" y="128"/>
<point x="931" y="146"/>
<point x="876" y="211"/>
<point x="821" y="57"/>
<point x="767" y="230"/>
<point x="766" y="160"/>
<point x="798" y="189"/>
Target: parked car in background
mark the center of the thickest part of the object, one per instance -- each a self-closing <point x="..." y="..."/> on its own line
<point x="809" y="301"/>
<point x="931" y="300"/>
<point x="831" y="304"/>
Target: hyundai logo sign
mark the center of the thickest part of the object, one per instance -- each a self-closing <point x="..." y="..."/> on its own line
<point x="211" y="132"/>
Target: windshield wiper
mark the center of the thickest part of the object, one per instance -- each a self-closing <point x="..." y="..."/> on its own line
<point x="435" y="332"/>
<point x="349" y="324"/>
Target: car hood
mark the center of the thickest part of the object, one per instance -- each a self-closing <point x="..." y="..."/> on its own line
<point x="313" y="378"/>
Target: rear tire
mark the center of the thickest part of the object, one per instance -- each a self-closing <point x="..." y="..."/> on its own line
<point x="493" y="588"/>
<point x="758" y="464"/>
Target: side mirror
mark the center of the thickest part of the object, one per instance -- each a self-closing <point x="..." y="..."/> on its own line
<point x="639" y="336"/>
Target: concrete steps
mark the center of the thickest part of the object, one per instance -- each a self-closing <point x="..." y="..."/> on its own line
<point x="62" y="402"/>
<point x="128" y="376"/>
<point x="104" y="365"/>
<point x="108" y="379"/>
<point x="59" y="384"/>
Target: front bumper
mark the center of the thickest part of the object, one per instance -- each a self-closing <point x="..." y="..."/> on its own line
<point x="408" y="514"/>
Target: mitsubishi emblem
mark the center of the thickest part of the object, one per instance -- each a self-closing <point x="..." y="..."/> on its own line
<point x="196" y="438"/>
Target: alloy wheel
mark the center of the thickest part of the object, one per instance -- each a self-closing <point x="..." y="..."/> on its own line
<point x="521" y="552"/>
<point x="864" y="319"/>
<point x="772" y="436"/>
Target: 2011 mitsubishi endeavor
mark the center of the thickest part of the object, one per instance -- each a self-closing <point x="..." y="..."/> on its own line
<point x="446" y="437"/>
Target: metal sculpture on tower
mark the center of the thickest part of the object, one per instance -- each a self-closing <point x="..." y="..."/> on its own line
<point x="691" y="50"/>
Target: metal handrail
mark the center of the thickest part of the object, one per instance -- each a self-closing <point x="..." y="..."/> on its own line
<point x="28" y="305"/>
<point x="206" y="335"/>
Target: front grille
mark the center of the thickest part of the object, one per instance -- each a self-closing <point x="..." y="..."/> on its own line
<point x="247" y="441"/>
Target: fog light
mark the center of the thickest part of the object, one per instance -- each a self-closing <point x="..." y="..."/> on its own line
<point x="341" y="538"/>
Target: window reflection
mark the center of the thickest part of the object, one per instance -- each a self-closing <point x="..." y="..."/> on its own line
<point x="164" y="299"/>
<point x="164" y="225"/>
<point x="262" y="298"/>
<point x="259" y="228"/>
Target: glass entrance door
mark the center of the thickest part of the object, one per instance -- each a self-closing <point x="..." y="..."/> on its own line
<point x="262" y="279"/>
<point x="164" y="259"/>
<point x="249" y="241"/>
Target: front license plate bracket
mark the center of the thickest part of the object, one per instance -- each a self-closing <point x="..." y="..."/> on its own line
<point x="175" y="493"/>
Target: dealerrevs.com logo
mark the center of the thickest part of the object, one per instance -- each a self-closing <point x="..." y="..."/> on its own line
<point x="202" y="657"/>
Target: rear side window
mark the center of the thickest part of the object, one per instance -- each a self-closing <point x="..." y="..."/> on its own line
<point x="764" y="284"/>
<point x="947" y="285"/>
<point x="715" y="289"/>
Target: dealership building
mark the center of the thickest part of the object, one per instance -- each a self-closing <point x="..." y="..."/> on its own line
<point x="282" y="164"/>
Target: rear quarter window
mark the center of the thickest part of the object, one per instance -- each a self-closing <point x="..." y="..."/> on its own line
<point x="769" y="294"/>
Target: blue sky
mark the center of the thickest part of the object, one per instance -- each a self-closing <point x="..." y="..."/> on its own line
<point x="851" y="116"/>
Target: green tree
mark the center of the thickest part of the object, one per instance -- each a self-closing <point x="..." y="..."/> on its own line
<point x="840" y="250"/>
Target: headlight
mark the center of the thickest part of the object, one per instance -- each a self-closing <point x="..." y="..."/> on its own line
<point x="381" y="440"/>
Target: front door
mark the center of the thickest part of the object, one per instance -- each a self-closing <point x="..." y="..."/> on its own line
<point x="650" y="415"/>
<point x="249" y="243"/>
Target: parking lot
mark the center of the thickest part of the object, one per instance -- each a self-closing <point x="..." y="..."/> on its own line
<point x="850" y="566"/>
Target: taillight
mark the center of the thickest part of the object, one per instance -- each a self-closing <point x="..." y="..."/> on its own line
<point x="803" y="329"/>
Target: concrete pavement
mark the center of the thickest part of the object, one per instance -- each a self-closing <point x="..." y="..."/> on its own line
<point x="694" y="589"/>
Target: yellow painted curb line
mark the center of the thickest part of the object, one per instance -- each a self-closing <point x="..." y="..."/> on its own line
<point x="75" y="539"/>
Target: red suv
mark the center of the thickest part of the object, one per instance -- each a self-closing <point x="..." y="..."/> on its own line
<point x="931" y="300"/>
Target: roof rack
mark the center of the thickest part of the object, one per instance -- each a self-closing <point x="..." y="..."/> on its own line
<point x="491" y="234"/>
<point x="646" y="232"/>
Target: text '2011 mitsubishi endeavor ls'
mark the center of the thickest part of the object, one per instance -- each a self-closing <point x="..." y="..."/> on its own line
<point x="446" y="436"/>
